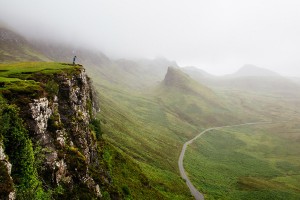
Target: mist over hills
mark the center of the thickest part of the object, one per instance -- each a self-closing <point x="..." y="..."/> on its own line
<point x="150" y="107"/>
<point x="140" y="73"/>
<point x="14" y="47"/>
<point x="191" y="101"/>
<point x="175" y="78"/>
<point x="252" y="70"/>
<point x="249" y="78"/>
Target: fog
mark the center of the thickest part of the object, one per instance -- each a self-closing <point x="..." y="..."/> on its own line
<point x="219" y="36"/>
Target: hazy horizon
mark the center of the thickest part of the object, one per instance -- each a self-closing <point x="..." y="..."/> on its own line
<point x="217" y="36"/>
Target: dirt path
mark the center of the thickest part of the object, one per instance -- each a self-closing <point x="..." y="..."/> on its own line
<point x="194" y="191"/>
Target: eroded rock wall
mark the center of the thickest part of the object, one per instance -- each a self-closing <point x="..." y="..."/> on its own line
<point x="60" y="124"/>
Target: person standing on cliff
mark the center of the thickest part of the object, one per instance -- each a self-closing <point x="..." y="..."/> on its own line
<point x="74" y="60"/>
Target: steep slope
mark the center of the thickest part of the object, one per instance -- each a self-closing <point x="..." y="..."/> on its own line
<point x="50" y="139"/>
<point x="177" y="80"/>
<point x="197" y="73"/>
<point x="143" y="73"/>
<point x="16" y="48"/>
<point x="193" y="102"/>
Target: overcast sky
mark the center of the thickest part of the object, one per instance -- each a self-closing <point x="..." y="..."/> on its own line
<point x="218" y="36"/>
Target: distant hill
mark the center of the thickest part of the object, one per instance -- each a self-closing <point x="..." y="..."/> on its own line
<point x="143" y="73"/>
<point x="176" y="79"/>
<point x="200" y="75"/>
<point x="250" y="78"/>
<point x="197" y="73"/>
<point x="133" y="74"/>
<point x="192" y="101"/>
<point x="15" y="48"/>
<point x="252" y="70"/>
<point x="62" y="52"/>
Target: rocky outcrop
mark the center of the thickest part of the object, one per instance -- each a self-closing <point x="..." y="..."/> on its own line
<point x="7" y="191"/>
<point x="41" y="112"/>
<point x="60" y="124"/>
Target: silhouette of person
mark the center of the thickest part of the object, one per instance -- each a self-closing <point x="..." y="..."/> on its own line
<point x="74" y="60"/>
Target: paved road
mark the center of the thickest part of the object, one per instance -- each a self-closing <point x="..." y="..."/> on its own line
<point x="194" y="191"/>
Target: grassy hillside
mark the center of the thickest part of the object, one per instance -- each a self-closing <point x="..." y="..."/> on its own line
<point x="15" y="48"/>
<point x="148" y="133"/>
<point x="257" y="162"/>
<point x="152" y="126"/>
<point x="190" y="101"/>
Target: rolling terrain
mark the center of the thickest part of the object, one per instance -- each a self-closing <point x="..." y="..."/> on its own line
<point x="251" y="79"/>
<point x="150" y="108"/>
<point x="16" y="48"/>
<point x="254" y="162"/>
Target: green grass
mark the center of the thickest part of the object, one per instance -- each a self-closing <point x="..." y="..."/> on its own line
<point x="21" y="69"/>
<point x="245" y="163"/>
<point x="127" y="176"/>
<point x="150" y="134"/>
<point x="23" y="80"/>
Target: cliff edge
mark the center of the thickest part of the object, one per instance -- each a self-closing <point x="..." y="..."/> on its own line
<point x="47" y="117"/>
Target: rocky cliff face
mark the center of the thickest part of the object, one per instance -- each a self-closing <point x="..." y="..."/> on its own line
<point x="60" y="124"/>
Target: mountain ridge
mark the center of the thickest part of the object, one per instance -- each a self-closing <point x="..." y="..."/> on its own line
<point x="252" y="70"/>
<point x="15" y="48"/>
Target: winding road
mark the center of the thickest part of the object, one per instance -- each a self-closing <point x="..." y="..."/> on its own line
<point x="194" y="191"/>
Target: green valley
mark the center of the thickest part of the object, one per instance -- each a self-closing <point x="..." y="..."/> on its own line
<point x="251" y="162"/>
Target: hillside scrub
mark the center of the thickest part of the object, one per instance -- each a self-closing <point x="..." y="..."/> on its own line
<point x="19" y="149"/>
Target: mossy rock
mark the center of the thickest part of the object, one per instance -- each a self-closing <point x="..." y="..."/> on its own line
<point x="6" y="183"/>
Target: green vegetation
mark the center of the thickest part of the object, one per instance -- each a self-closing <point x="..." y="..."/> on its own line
<point x="20" y="152"/>
<point x="22" y="81"/>
<point x="127" y="176"/>
<point x="154" y="150"/>
<point x="25" y="69"/>
<point x="17" y="49"/>
<point x="95" y="127"/>
<point x="151" y="126"/>
<point x="6" y="184"/>
<point x="254" y="162"/>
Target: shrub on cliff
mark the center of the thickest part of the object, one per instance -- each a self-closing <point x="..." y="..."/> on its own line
<point x="19" y="149"/>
